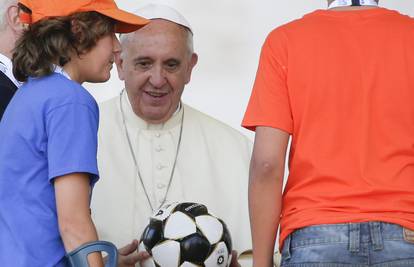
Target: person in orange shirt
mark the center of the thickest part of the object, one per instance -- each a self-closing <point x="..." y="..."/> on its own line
<point x="341" y="83"/>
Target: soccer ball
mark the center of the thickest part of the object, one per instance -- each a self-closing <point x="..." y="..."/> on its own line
<point x="186" y="235"/>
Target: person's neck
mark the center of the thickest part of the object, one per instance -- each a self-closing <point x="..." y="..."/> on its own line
<point x="6" y="52"/>
<point x="71" y="69"/>
<point x="7" y="44"/>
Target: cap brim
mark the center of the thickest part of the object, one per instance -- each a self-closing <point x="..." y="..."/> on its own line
<point x="125" y="21"/>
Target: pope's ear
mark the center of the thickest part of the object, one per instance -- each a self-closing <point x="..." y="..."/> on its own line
<point x="13" y="19"/>
<point x="193" y="62"/>
<point x="119" y="65"/>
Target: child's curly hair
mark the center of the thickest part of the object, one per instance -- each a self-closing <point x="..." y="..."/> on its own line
<point x="53" y="41"/>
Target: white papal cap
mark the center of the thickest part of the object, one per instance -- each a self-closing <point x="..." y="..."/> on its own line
<point x="159" y="11"/>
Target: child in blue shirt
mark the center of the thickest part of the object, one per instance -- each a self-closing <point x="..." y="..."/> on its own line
<point x="48" y="135"/>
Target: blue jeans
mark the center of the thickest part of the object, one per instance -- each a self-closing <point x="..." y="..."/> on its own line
<point x="371" y="244"/>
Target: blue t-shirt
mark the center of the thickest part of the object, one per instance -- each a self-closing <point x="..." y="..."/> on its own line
<point x="48" y="130"/>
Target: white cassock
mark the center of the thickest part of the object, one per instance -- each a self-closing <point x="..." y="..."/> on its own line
<point x="212" y="169"/>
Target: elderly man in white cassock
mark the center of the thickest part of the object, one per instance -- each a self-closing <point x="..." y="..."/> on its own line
<point x="155" y="149"/>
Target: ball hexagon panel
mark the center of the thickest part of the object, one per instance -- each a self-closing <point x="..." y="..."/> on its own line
<point x="195" y="248"/>
<point x="179" y="225"/>
<point x="152" y="234"/>
<point x="219" y="257"/>
<point x="189" y="264"/>
<point x="211" y="228"/>
<point x="167" y="253"/>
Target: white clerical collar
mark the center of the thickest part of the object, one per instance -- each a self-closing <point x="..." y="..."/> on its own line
<point x="139" y="123"/>
<point x="342" y="3"/>
<point x="6" y="66"/>
<point x="60" y="70"/>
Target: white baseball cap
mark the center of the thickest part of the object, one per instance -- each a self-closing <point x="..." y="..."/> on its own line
<point x="159" y="11"/>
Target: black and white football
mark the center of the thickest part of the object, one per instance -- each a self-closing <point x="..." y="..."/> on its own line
<point x="186" y="235"/>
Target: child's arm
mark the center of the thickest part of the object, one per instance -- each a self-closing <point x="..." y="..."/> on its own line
<point x="265" y="191"/>
<point x="75" y="223"/>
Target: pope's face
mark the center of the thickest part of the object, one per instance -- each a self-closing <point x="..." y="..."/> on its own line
<point x="156" y="64"/>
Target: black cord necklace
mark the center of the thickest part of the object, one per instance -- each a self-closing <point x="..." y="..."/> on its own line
<point x="136" y="162"/>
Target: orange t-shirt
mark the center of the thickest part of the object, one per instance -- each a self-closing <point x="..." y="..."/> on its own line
<point x="342" y="84"/>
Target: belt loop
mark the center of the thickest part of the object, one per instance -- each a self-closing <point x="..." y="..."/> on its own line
<point x="376" y="235"/>
<point x="354" y="237"/>
<point x="286" y="248"/>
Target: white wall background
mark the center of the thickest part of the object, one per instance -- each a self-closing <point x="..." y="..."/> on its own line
<point x="228" y="35"/>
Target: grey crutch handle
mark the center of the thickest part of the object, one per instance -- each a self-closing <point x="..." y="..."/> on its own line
<point x="79" y="256"/>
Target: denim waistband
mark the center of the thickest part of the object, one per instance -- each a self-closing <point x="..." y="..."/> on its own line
<point x="352" y="234"/>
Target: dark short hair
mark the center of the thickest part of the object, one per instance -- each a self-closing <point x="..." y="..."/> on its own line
<point x="53" y="41"/>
